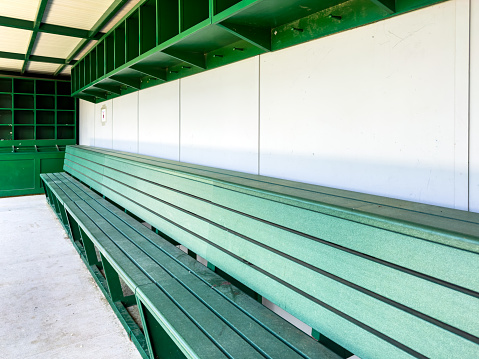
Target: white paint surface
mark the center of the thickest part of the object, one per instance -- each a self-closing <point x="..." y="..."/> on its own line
<point x="219" y="117"/>
<point x="474" y="110"/>
<point x="87" y="123"/>
<point x="159" y="121"/>
<point x="104" y="133"/>
<point x="125" y="123"/>
<point x="370" y="110"/>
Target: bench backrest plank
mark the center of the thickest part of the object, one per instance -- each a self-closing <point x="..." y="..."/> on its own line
<point x="398" y="281"/>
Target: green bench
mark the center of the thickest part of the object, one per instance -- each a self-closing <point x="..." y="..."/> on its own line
<point x="382" y="278"/>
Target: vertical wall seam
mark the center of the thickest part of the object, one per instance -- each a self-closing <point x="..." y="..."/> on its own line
<point x="138" y="123"/>
<point x="259" y="114"/>
<point x="469" y="113"/>
<point x="179" y="120"/>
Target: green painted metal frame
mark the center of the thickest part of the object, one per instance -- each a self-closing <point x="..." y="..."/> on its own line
<point x="163" y="40"/>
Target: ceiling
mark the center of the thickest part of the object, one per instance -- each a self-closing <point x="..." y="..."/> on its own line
<point x="45" y="37"/>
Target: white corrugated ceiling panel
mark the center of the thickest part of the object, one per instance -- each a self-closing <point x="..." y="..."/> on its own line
<point x="54" y="45"/>
<point x="80" y="14"/>
<point x="20" y="9"/>
<point x="42" y="67"/>
<point x="124" y="10"/>
<point x="14" y="40"/>
<point x="66" y="71"/>
<point x="10" y="65"/>
<point x="85" y="50"/>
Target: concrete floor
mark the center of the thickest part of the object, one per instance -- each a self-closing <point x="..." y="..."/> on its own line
<point x="50" y="305"/>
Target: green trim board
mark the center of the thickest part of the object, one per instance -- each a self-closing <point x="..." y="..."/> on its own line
<point x="164" y="40"/>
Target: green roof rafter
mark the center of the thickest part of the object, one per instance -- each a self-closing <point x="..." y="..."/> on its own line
<point x="36" y="26"/>
<point x="48" y="28"/>
<point x="16" y="56"/>
<point x="95" y="31"/>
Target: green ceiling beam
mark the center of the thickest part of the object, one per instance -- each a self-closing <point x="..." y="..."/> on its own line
<point x="48" y="28"/>
<point x="51" y="60"/>
<point x="107" y="16"/>
<point x="36" y="76"/>
<point x="38" y="20"/>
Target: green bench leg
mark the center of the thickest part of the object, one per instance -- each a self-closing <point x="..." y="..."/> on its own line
<point x="90" y="252"/>
<point x="113" y="280"/>
<point x="160" y="345"/>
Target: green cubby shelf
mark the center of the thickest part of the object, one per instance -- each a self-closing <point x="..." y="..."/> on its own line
<point x="6" y="85"/>
<point x="38" y="118"/>
<point x="6" y="117"/>
<point x="45" y="117"/>
<point x="24" y="101"/>
<point x="23" y="117"/>
<point x="165" y="40"/>
<point x="5" y="101"/>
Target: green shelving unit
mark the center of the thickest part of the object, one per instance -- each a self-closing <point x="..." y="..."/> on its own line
<point x="164" y="40"/>
<point x="38" y="119"/>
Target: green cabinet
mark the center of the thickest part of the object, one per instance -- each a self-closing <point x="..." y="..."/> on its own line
<point x="38" y="118"/>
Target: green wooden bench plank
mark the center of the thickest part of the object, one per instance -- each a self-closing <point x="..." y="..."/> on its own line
<point x="113" y="214"/>
<point x="404" y="210"/>
<point x="428" y="258"/>
<point x="363" y="270"/>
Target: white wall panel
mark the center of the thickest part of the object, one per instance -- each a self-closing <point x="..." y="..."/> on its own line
<point x="219" y="117"/>
<point x="370" y="110"/>
<point x="474" y="112"/>
<point x="87" y="123"/>
<point x="125" y="123"/>
<point x="159" y="121"/>
<point x="104" y="132"/>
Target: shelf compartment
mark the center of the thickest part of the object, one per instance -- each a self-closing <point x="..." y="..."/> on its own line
<point x="110" y="52"/>
<point x="5" y="84"/>
<point x="65" y="103"/>
<point x="81" y="73"/>
<point x="45" y="87"/>
<point x="24" y="101"/>
<point x="45" y="117"/>
<point x="45" y="132"/>
<point x="23" y="117"/>
<point x="65" y="118"/>
<point x="23" y="86"/>
<point x="88" y="77"/>
<point x="6" y="133"/>
<point x="46" y="102"/>
<point x="24" y="133"/>
<point x="93" y="70"/>
<point x="5" y="117"/>
<point x="65" y="133"/>
<point x="64" y="88"/>
<point x="168" y="20"/>
<point x="100" y="59"/>
<point x="133" y="36"/>
<point x="221" y="5"/>
<point x="5" y="101"/>
<point x="148" y="29"/>
<point x="120" y="45"/>
<point x="193" y="12"/>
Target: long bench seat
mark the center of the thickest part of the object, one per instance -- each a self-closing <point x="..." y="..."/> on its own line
<point x="179" y="298"/>
<point x="380" y="277"/>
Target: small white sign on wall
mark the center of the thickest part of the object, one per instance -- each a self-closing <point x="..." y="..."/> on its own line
<point x="103" y="115"/>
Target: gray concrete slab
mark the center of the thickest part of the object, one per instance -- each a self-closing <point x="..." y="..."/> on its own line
<point x="50" y="305"/>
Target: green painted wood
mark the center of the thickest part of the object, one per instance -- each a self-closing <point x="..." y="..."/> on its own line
<point x="311" y="251"/>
